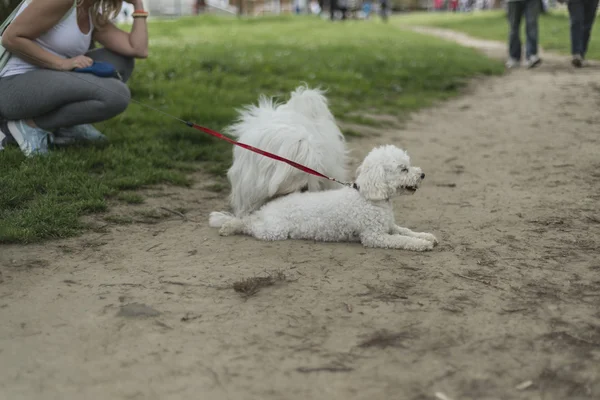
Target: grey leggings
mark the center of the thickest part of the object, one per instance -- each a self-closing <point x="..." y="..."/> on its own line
<point x="57" y="99"/>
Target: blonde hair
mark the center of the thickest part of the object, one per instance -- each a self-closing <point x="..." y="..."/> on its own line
<point x="104" y="10"/>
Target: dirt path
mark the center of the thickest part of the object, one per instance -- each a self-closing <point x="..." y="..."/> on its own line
<point x="512" y="294"/>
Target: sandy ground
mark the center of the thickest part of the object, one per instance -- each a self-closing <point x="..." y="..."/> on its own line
<point x="507" y="307"/>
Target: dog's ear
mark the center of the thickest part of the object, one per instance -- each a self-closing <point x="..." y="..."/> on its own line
<point x="371" y="182"/>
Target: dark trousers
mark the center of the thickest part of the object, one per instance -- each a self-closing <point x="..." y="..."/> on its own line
<point x="582" y="14"/>
<point x="516" y="10"/>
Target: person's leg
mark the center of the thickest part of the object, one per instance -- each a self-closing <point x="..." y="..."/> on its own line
<point x="53" y="99"/>
<point x="384" y="10"/>
<point x="65" y="136"/>
<point x="31" y="139"/>
<point x="576" y="17"/>
<point x="589" y="16"/>
<point x="532" y="14"/>
<point x="515" y="12"/>
<point x="86" y="132"/>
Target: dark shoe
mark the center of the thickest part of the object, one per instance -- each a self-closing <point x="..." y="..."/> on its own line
<point x="577" y="61"/>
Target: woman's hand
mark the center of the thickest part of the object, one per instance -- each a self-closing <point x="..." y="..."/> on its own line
<point x="76" y="62"/>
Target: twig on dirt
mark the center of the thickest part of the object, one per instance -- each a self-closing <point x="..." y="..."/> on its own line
<point x="581" y="339"/>
<point x="488" y="283"/>
<point x="524" y="385"/>
<point x="450" y="185"/>
<point x="513" y="310"/>
<point x="189" y="317"/>
<point x="122" y="284"/>
<point x="383" y="339"/>
<point x="563" y="165"/>
<point x="409" y="268"/>
<point x="593" y="219"/>
<point x="452" y="309"/>
<point x="441" y="396"/>
<point x="70" y="282"/>
<point x="179" y="283"/>
<point x="341" y="368"/>
<point x="348" y="307"/>
<point x="163" y="325"/>
<point x="156" y="245"/>
<point x="175" y="212"/>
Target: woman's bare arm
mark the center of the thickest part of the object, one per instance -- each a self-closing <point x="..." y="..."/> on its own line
<point x="39" y="17"/>
<point x="133" y="44"/>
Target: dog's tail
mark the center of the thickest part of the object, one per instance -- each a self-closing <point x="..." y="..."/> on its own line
<point x="252" y="115"/>
<point x="311" y="102"/>
<point x="218" y="219"/>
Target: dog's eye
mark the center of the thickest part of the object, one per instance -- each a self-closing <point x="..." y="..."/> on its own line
<point x="404" y="169"/>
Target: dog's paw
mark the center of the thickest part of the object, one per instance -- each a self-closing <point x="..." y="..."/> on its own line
<point x="426" y="246"/>
<point x="429" y="237"/>
<point x="225" y="231"/>
<point x="420" y="245"/>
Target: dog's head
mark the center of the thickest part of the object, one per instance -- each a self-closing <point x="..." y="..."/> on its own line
<point x="386" y="172"/>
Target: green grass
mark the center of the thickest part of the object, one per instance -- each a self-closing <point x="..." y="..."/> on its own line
<point x="492" y="25"/>
<point x="130" y="198"/>
<point x="201" y="69"/>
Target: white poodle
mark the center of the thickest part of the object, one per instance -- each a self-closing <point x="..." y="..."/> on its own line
<point x="302" y="130"/>
<point x="362" y="213"/>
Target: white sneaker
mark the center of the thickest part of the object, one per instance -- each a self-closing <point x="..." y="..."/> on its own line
<point x="2" y="140"/>
<point x="77" y="133"/>
<point x="534" y="61"/>
<point x="512" y="63"/>
<point x="31" y="140"/>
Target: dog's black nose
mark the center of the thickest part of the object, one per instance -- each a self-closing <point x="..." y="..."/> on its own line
<point x="422" y="176"/>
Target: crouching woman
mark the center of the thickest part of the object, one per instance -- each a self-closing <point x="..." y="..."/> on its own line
<point x="40" y="95"/>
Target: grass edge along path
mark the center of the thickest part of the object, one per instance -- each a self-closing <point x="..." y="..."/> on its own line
<point x="202" y="69"/>
<point x="554" y="31"/>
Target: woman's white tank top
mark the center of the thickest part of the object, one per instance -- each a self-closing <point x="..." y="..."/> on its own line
<point x="65" y="40"/>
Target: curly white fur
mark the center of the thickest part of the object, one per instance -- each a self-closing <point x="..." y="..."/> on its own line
<point x="302" y="130"/>
<point x="346" y="214"/>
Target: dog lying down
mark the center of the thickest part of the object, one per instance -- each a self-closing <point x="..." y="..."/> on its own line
<point x="362" y="214"/>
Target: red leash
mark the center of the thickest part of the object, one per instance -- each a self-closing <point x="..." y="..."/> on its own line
<point x="265" y="153"/>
